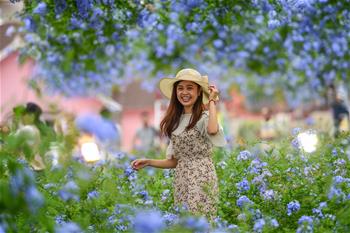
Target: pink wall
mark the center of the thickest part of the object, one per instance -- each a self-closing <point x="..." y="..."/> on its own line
<point x="130" y="122"/>
<point x="15" y="90"/>
<point x="13" y="86"/>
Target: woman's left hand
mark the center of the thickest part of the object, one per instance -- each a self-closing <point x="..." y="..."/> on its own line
<point x="213" y="92"/>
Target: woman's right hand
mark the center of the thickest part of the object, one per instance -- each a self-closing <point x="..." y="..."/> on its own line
<point x="139" y="163"/>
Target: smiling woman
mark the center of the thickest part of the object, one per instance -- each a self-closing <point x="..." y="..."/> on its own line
<point x="193" y="132"/>
<point x="187" y="93"/>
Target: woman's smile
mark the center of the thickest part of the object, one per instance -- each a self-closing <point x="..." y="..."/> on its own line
<point x="187" y="93"/>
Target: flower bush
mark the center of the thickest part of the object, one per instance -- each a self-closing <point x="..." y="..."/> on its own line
<point x="263" y="188"/>
<point x="259" y="46"/>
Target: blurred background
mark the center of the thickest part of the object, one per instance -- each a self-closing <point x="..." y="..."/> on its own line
<point x="263" y="110"/>
<point x="79" y="102"/>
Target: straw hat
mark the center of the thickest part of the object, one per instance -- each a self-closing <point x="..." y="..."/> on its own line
<point x="166" y="84"/>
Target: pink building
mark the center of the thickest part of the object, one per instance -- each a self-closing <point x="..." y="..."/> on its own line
<point x="15" y="90"/>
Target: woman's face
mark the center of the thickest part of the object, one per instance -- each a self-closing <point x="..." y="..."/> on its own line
<point x="187" y="93"/>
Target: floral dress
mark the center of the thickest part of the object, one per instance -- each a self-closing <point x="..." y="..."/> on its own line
<point x="195" y="184"/>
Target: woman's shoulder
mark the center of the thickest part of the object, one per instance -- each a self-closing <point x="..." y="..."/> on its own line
<point x="203" y="119"/>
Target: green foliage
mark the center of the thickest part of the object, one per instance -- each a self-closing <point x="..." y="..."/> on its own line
<point x="280" y="44"/>
<point x="248" y="131"/>
<point x="105" y="197"/>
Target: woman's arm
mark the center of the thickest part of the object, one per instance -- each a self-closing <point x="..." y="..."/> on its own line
<point x="163" y="163"/>
<point x="158" y="163"/>
<point x="213" y="126"/>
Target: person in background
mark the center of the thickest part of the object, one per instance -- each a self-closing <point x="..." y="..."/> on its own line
<point x="267" y="128"/>
<point x="34" y="131"/>
<point x="146" y="136"/>
<point x="31" y="114"/>
<point x="65" y="129"/>
<point x="341" y="118"/>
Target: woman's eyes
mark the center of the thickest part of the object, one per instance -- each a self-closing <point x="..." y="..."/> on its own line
<point x="181" y="88"/>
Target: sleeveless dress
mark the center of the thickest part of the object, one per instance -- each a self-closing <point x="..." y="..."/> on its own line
<point x="195" y="183"/>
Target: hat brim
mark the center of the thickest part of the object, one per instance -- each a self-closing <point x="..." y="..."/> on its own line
<point x="166" y="86"/>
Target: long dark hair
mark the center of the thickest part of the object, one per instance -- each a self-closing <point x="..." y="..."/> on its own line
<point x="175" y="109"/>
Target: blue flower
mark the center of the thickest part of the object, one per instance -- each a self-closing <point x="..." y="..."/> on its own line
<point x="310" y="121"/>
<point x="218" y="44"/>
<point x="3" y="228"/>
<point x="121" y="228"/>
<point x="243" y="185"/>
<point x="305" y="224"/>
<point x="274" y="223"/>
<point x="340" y="162"/>
<point x="243" y="201"/>
<point x="144" y="194"/>
<point x="244" y="155"/>
<point x="52" y="57"/>
<point x="96" y="12"/>
<point x="295" y="143"/>
<point x="63" y="39"/>
<point x="166" y="173"/>
<point x="60" y="6"/>
<point x="69" y="227"/>
<point x="317" y="212"/>
<point x="83" y="8"/>
<point x="242" y="217"/>
<point x="335" y="192"/>
<point x="128" y="171"/>
<point x="256" y="166"/>
<point x="104" y="129"/>
<point x="165" y="194"/>
<point x="259" y="225"/>
<point x="34" y="198"/>
<point x="292" y="207"/>
<point x="69" y="191"/>
<point x="93" y="194"/>
<point x="338" y="180"/>
<point x="49" y="185"/>
<point x="170" y="218"/>
<point x="10" y="31"/>
<point x="198" y="224"/>
<point x="323" y="205"/>
<point x="112" y="219"/>
<point x="305" y="219"/>
<point x="30" y="38"/>
<point x="256" y="214"/>
<point x="29" y="24"/>
<point x="40" y="9"/>
<point x="148" y="222"/>
<point x="109" y="50"/>
<point x="59" y="219"/>
<point x="20" y="180"/>
<point x="192" y="26"/>
<point x="268" y="194"/>
<point x="222" y="164"/>
<point x="76" y="23"/>
<point x="194" y="3"/>
<point x="273" y="24"/>
<point x="334" y="152"/>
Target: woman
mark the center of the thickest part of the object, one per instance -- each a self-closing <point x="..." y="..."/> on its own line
<point x="192" y="132"/>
